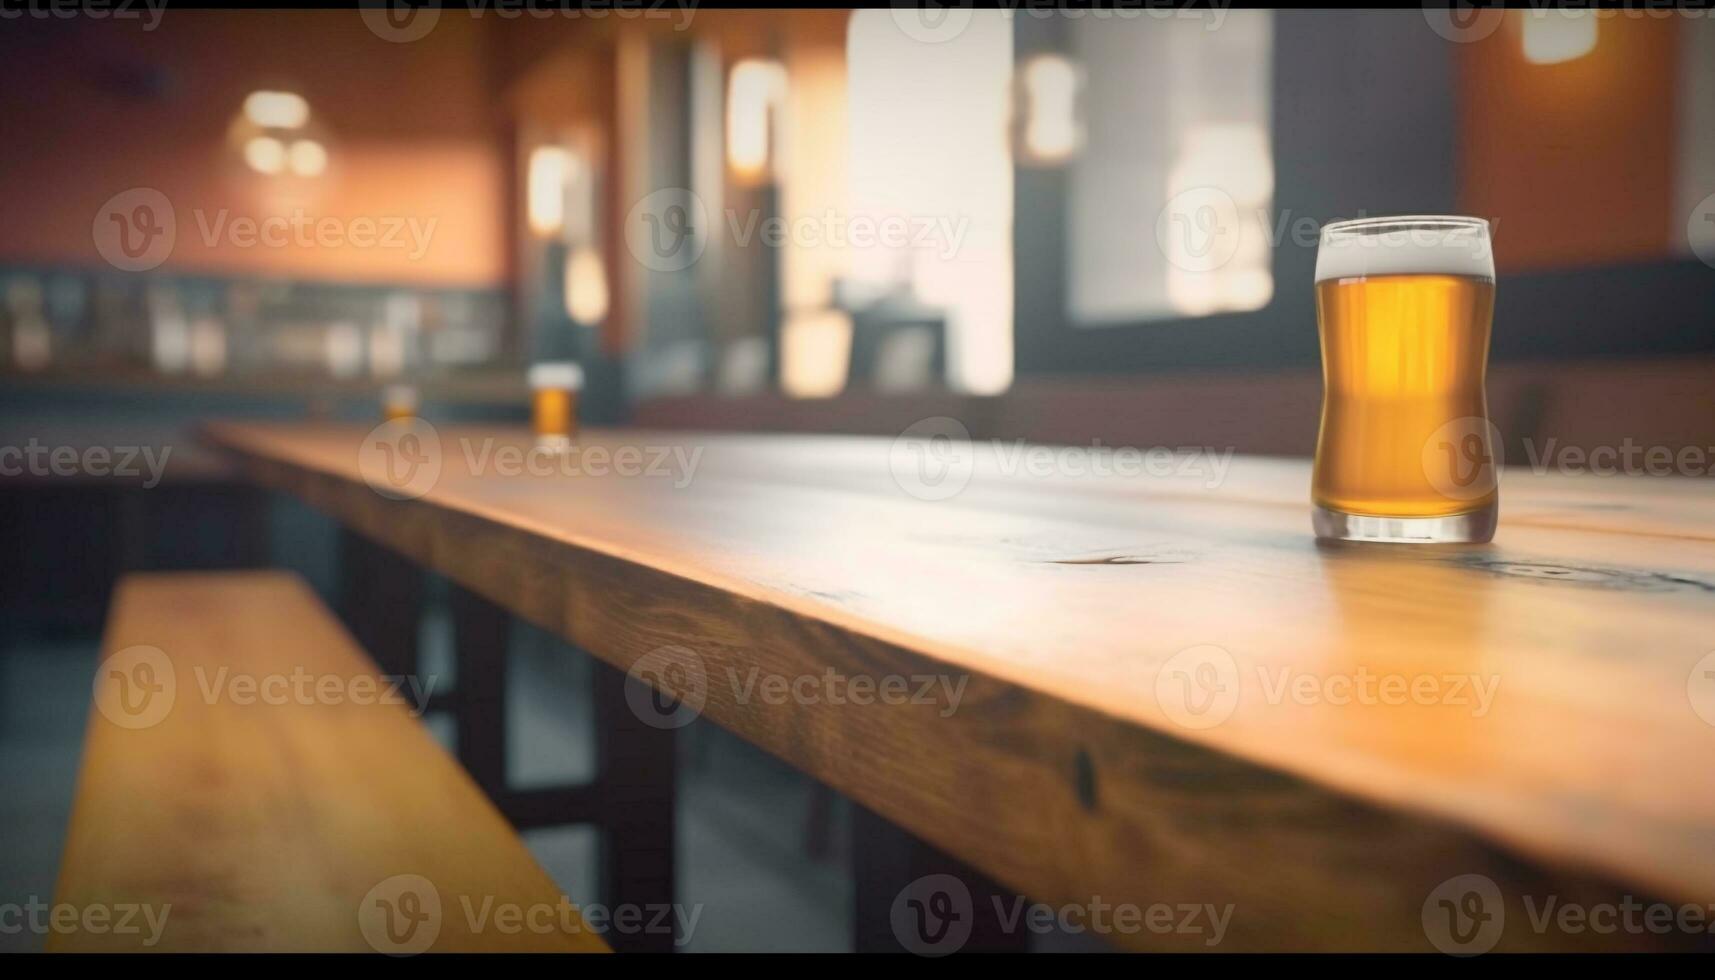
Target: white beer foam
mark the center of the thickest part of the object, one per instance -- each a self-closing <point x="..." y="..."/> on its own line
<point x="556" y="374"/>
<point x="1405" y="246"/>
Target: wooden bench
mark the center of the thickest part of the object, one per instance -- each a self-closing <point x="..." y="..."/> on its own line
<point x="310" y="812"/>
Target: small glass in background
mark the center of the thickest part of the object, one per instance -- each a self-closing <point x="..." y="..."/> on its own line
<point x="554" y="390"/>
<point x="399" y="402"/>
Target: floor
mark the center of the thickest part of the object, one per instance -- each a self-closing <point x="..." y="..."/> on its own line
<point x="744" y="870"/>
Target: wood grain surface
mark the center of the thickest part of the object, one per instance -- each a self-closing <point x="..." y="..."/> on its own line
<point x="228" y="812"/>
<point x="1084" y="619"/>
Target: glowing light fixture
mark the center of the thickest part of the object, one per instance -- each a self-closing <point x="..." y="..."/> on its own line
<point x="307" y="158"/>
<point x="586" y="286"/>
<point x="1049" y="110"/>
<point x="265" y="154"/>
<point x="549" y="169"/>
<point x="276" y="110"/>
<point x="756" y="94"/>
<point x="1553" y="36"/>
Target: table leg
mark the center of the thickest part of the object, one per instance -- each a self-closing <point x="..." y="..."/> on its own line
<point x="481" y="631"/>
<point x="903" y="904"/>
<point x="381" y="601"/>
<point x="636" y="776"/>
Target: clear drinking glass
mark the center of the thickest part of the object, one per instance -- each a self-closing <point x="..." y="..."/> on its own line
<point x="1406" y="451"/>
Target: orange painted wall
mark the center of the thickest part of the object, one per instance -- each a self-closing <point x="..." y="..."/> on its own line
<point x="1575" y="160"/>
<point x="414" y="133"/>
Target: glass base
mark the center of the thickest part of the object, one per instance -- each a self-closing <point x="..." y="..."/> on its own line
<point x="1469" y="528"/>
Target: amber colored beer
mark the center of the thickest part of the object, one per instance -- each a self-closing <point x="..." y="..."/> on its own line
<point x="1405" y="450"/>
<point x="554" y="389"/>
<point x="555" y="412"/>
<point x="398" y="402"/>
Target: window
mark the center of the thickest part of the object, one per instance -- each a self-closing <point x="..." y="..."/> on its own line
<point x="929" y="144"/>
<point x="1168" y="207"/>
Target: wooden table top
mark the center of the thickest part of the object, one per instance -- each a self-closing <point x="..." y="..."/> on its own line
<point x="1171" y="692"/>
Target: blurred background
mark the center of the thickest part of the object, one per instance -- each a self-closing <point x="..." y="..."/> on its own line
<point x="1050" y="227"/>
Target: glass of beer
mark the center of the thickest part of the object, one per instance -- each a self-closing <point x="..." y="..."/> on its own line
<point x="1406" y="451"/>
<point x="398" y="402"/>
<point x="554" y="389"/>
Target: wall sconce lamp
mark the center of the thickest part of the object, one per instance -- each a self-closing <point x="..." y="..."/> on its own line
<point x="1048" y="127"/>
<point x="274" y="135"/>
<point x="756" y="101"/>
